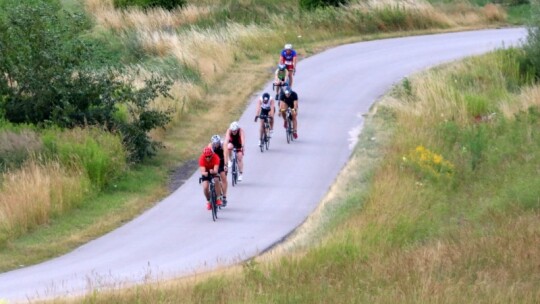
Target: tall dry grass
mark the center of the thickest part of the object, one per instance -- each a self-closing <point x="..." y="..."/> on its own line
<point x="529" y="97"/>
<point x="31" y="195"/>
<point x="153" y="19"/>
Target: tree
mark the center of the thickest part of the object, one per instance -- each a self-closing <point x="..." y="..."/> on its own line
<point x="45" y="78"/>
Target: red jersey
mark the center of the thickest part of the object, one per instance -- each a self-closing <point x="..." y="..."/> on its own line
<point x="209" y="164"/>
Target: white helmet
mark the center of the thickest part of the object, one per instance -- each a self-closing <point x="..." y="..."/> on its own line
<point x="288" y="46"/>
<point x="216" y="139"/>
<point x="234" y="126"/>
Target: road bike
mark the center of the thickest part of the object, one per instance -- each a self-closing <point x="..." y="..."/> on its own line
<point x="213" y="195"/>
<point x="279" y="89"/>
<point x="264" y="139"/>
<point x="289" y="131"/>
<point x="234" y="168"/>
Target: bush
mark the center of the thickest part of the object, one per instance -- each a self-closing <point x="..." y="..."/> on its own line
<point x="166" y="4"/>
<point x="100" y="154"/>
<point x="46" y="79"/>
<point x="532" y="46"/>
<point x="313" y="4"/>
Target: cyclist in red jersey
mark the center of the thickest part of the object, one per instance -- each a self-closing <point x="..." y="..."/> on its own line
<point x="217" y="146"/>
<point x="209" y="166"/>
<point x="235" y="138"/>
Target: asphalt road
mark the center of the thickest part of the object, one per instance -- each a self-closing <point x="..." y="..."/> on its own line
<point x="281" y="187"/>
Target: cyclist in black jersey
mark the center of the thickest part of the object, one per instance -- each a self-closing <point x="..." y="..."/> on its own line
<point x="217" y="146"/>
<point x="290" y="100"/>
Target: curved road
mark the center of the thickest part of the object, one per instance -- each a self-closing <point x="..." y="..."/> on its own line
<point x="281" y="187"/>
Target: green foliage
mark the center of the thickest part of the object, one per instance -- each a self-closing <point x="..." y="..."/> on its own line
<point x="99" y="153"/>
<point x="313" y="4"/>
<point x="48" y="80"/>
<point x="532" y="46"/>
<point x="166" y="4"/>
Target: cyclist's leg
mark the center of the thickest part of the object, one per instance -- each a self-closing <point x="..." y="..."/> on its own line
<point x="240" y="158"/>
<point x="271" y="121"/>
<point x="223" y="183"/>
<point x="282" y="108"/>
<point x="261" y="131"/>
<point x="229" y="150"/>
<point x="206" y="190"/>
<point x="290" y="76"/>
<point x="294" y="114"/>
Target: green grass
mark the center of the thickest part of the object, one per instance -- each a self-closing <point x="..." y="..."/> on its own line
<point x="318" y="30"/>
<point x="398" y="237"/>
<point x="100" y="213"/>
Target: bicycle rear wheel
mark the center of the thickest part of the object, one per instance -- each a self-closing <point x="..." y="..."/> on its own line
<point x="234" y="174"/>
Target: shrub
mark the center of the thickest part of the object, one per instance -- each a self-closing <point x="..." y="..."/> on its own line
<point x="532" y="46"/>
<point x="166" y="4"/>
<point x="46" y="79"/>
<point x="100" y="154"/>
<point x="313" y="4"/>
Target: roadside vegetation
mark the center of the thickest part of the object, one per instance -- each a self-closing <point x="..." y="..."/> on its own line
<point x="439" y="203"/>
<point x="80" y="170"/>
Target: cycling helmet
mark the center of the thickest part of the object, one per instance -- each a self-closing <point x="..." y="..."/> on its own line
<point x="288" y="46"/>
<point x="215" y="139"/>
<point x="281" y="67"/>
<point x="287" y="90"/>
<point x="265" y="97"/>
<point x="234" y="126"/>
<point x="207" y="152"/>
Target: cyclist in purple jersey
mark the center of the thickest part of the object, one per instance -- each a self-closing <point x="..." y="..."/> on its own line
<point x="288" y="58"/>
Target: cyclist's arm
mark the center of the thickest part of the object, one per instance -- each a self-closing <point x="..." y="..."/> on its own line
<point x="242" y="138"/>
<point x="258" y="110"/>
<point x="202" y="169"/>
<point x="271" y="113"/>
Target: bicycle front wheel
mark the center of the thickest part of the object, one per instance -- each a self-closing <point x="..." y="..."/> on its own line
<point x="213" y="203"/>
<point x="234" y="174"/>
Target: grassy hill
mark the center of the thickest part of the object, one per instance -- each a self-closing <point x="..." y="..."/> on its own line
<point x="401" y="246"/>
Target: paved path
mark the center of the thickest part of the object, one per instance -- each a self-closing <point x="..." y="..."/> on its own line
<point x="281" y="187"/>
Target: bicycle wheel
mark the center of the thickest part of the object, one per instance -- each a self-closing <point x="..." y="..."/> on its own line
<point x="234" y="174"/>
<point x="287" y="130"/>
<point x="261" y="142"/>
<point x="290" y="137"/>
<point x="267" y="136"/>
<point x="213" y="202"/>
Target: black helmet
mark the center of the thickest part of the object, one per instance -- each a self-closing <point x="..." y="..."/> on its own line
<point x="265" y="97"/>
<point x="287" y="90"/>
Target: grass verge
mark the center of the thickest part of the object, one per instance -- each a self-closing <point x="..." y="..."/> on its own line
<point x="413" y="234"/>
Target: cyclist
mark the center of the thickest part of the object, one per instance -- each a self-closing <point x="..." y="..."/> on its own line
<point x="235" y="138"/>
<point x="290" y="100"/>
<point x="265" y="106"/>
<point x="280" y="79"/>
<point x="288" y="57"/>
<point x="217" y="146"/>
<point x="209" y="165"/>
